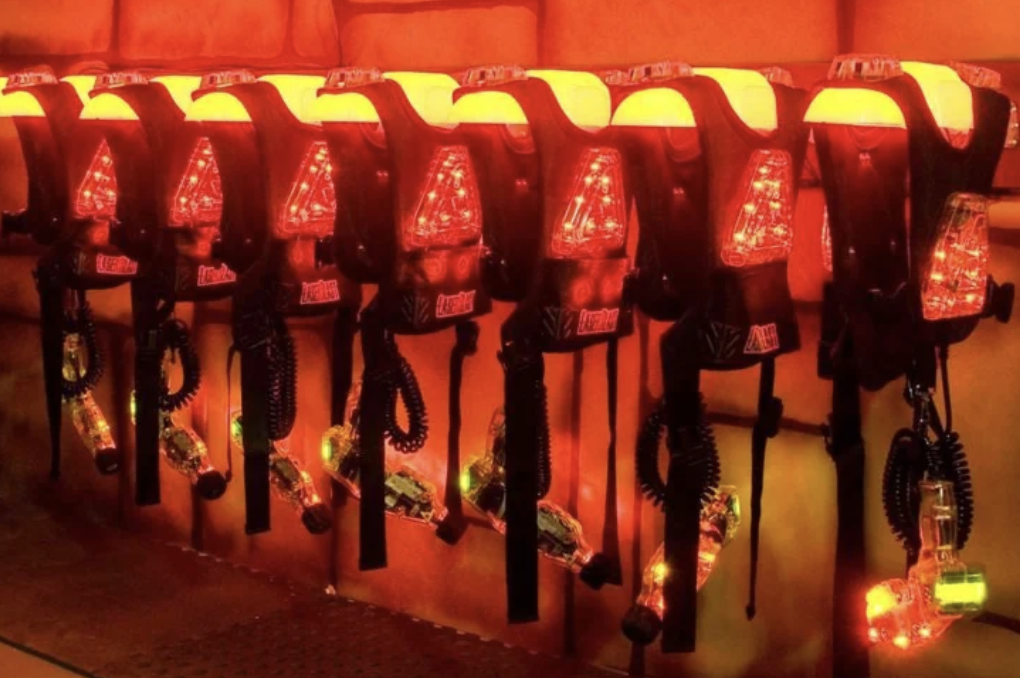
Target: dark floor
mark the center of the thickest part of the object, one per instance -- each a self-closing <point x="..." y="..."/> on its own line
<point x="90" y="600"/>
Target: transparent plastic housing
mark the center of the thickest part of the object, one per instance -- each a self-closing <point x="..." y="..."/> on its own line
<point x="408" y="493"/>
<point x="449" y="211"/>
<point x="658" y="70"/>
<point x="198" y="200"/>
<point x="30" y="79"/>
<point x="956" y="279"/>
<point x="867" y="67"/>
<point x="980" y="76"/>
<point x="345" y="78"/>
<point x="97" y="194"/>
<point x="219" y="79"/>
<point x="310" y="210"/>
<point x="939" y="588"/>
<point x="719" y="522"/>
<point x="483" y="485"/>
<point x="483" y="76"/>
<point x="181" y="446"/>
<point x="88" y="420"/>
<point x="594" y="221"/>
<point x="290" y="482"/>
<point x="778" y="75"/>
<point x="119" y="79"/>
<point x="762" y="229"/>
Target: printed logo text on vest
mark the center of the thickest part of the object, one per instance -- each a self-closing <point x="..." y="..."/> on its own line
<point x="762" y="339"/>
<point x="319" y="292"/>
<point x="115" y="265"/>
<point x="449" y="305"/>
<point x="601" y="321"/>
<point x="215" y="275"/>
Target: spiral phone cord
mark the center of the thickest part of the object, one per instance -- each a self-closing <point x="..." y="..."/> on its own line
<point x="702" y="459"/>
<point x="82" y="322"/>
<point x="177" y="340"/>
<point x="283" y="369"/>
<point x="401" y="380"/>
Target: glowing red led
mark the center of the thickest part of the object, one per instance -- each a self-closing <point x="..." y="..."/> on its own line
<point x="955" y="281"/>
<point x="199" y="196"/>
<point x="97" y="193"/>
<point x="449" y="211"/>
<point x="310" y="209"/>
<point x="595" y="217"/>
<point x="763" y="227"/>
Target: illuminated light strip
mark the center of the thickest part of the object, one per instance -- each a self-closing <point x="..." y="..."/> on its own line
<point x="218" y="107"/>
<point x="948" y="96"/>
<point x="660" y="107"/>
<point x="749" y="93"/>
<point x="488" y="108"/>
<point x="20" y="104"/>
<point x="431" y="94"/>
<point x="82" y="85"/>
<point x="298" y="93"/>
<point x="582" y="96"/>
<point x="852" y="106"/>
<point x="180" y="87"/>
<point x="343" y="107"/>
<point x="108" y="106"/>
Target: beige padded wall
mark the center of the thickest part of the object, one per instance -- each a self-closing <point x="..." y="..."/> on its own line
<point x="463" y="586"/>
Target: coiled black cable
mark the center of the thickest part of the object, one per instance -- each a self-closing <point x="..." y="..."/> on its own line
<point x="283" y="369"/>
<point x="957" y="470"/>
<point x="177" y="340"/>
<point x="702" y="460"/>
<point x="83" y="323"/>
<point x="400" y="379"/>
<point x="904" y="469"/>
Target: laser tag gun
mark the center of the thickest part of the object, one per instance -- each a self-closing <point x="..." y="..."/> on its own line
<point x="558" y="195"/>
<point x="289" y="480"/>
<point x="560" y="535"/>
<point x="906" y="152"/>
<point x="411" y="223"/>
<point x="939" y="589"/>
<point x="278" y="158"/>
<point x="72" y="199"/>
<point x="409" y="494"/>
<point x="719" y="522"/>
<point x="714" y="156"/>
<point x="143" y="124"/>
<point x="186" y="453"/>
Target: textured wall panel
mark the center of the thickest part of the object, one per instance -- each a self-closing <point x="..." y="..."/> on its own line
<point x="55" y="26"/>
<point x="196" y="28"/>
<point x="441" y="39"/>
<point x="939" y="29"/>
<point x="582" y="33"/>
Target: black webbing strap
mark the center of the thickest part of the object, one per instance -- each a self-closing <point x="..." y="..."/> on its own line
<point x="51" y="312"/>
<point x="371" y="426"/>
<point x="524" y="380"/>
<point x="766" y="425"/>
<point x="681" y="374"/>
<point x="846" y="447"/>
<point x="345" y="326"/>
<point x="466" y="345"/>
<point x="610" y="526"/>
<point x="255" y="435"/>
<point x="148" y="380"/>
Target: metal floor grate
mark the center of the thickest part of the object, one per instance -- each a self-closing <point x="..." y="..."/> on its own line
<point x="116" y="606"/>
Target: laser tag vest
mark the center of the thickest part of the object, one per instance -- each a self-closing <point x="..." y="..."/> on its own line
<point x="410" y="217"/>
<point x="887" y="191"/>
<point x="578" y="296"/>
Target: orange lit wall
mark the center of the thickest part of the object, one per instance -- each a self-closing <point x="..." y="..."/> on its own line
<point x="463" y="586"/>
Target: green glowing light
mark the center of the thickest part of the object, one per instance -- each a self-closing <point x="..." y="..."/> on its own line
<point x="972" y="592"/>
<point x="465" y="481"/>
